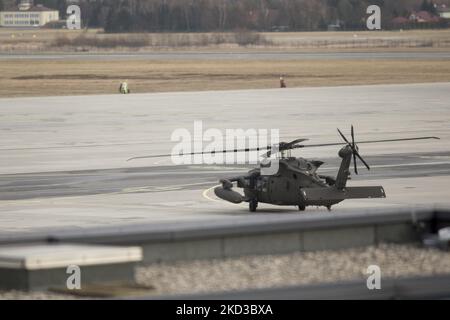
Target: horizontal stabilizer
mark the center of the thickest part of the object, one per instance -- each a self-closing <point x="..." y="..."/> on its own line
<point x="334" y="194"/>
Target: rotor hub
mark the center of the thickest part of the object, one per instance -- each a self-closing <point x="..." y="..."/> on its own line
<point x="345" y="151"/>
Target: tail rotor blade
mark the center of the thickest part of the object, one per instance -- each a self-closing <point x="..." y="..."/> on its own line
<point x="354" y="163"/>
<point x="353" y="137"/>
<point x="362" y="160"/>
<point x="343" y="137"/>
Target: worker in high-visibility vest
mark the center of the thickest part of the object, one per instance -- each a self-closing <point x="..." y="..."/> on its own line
<point x="124" y="87"/>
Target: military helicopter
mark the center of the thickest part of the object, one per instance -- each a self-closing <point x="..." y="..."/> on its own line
<point x="297" y="182"/>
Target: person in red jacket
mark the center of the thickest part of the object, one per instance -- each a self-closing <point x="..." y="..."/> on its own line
<point x="282" y="83"/>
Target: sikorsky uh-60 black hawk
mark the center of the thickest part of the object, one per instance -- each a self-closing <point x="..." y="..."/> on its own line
<point x="297" y="182"/>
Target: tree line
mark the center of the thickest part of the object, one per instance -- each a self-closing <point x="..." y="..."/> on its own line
<point x="231" y="15"/>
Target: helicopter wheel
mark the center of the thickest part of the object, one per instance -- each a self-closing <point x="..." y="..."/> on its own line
<point x="252" y="205"/>
<point x="301" y="207"/>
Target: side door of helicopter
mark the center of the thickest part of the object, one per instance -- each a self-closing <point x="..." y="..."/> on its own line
<point x="280" y="189"/>
<point x="263" y="188"/>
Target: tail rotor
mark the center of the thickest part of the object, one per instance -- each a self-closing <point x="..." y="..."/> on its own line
<point x="354" y="147"/>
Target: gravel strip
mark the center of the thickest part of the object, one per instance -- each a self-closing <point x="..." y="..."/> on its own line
<point x="292" y="269"/>
<point x="34" y="295"/>
<point x="264" y="271"/>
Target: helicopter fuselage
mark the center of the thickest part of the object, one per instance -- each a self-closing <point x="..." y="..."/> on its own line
<point x="297" y="183"/>
<point x="284" y="188"/>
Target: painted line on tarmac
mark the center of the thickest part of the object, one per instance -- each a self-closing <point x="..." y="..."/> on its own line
<point x="205" y="194"/>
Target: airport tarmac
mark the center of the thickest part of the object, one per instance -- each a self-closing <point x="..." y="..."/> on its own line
<point x="63" y="159"/>
<point x="252" y="55"/>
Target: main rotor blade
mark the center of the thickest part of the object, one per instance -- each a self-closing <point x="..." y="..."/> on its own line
<point x="267" y="154"/>
<point x="295" y="142"/>
<point x="292" y="147"/>
<point x="152" y="156"/>
<point x="203" y="152"/>
<point x="367" y="141"/>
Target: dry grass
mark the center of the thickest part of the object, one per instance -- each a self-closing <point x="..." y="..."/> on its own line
<point x="50" y="40"/>
<point x="161" y="40"/>
<point x="40" y="78"/>
<point x="39" y="40"/>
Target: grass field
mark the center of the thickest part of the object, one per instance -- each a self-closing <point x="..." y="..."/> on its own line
<point x="72" y="77"/>
<point x="51" y="40"/>
<point x="77" y="76"/>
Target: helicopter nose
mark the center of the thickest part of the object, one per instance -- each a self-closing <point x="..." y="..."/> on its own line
<point x="228" y="195"/>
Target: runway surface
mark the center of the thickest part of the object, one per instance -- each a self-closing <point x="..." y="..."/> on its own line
<point x="261" y="55"/>
<point x="63" y="159"/>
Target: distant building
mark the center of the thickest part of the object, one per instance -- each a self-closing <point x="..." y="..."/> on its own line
<point x="335" y="26"/>
<point x="280" y="28"/>
<point x="26" y="14"/>
<point x="423" y="17"/>
<point x="443" y="11"/>
<point x="416" y="19"/>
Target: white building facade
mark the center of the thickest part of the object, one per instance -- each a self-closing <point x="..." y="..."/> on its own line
<point x="445" y="14"/>
<point x="27" y="15"/>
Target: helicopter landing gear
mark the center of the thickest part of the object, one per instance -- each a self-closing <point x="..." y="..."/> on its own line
<point x="301" y="207"/>
<point x="252" y="205"/>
